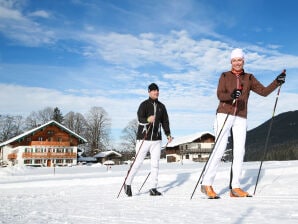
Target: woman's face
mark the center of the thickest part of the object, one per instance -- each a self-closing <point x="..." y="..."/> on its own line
<point x="237" y="64"/>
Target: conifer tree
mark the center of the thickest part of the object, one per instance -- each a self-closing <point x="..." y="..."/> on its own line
<point x="57" y="115"/>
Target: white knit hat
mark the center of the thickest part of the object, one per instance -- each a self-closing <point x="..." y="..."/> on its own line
<point x="237" y="53"/>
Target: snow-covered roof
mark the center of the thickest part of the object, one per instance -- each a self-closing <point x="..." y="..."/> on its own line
<point x="86" y="159"/>
<point x="109" y="162"/>
<point x="106" y="153"/>
<point x="186" y="139"/>
<point x="40" y="127"/>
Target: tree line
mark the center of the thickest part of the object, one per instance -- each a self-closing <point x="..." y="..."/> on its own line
<point x="94" y="126"/>
<point x="280" y="151"/>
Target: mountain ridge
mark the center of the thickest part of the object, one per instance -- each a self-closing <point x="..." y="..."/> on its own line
<point x="282" y="142"/>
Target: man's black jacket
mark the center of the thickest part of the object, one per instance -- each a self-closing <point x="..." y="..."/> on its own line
<point x="152" y="107"/>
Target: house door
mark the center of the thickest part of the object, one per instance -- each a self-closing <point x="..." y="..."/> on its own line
<point x="49" y="163"/>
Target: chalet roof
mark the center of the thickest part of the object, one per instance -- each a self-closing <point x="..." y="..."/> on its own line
<point x="86" y="159"/>
<point x="186" y="139"/>
<point x="106" y="153"/>
<point x="52" y="122"/>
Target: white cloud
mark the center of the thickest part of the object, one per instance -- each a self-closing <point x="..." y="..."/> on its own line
<point x="120" y="65"/>
<point x="22" y="100"/>
<point x="20" y="28"/>
<point x="40" y="13"/>
<point x="7" y="13"/>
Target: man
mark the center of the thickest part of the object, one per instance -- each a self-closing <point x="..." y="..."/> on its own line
<point x="152" y="116"/>
<point x="233" y="91"/>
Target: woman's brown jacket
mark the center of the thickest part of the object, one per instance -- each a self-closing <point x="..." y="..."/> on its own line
<point x="228" y="82"/>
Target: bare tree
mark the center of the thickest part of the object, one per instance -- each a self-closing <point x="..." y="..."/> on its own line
<point x="69" y="120"/>
<point x="46" y="114"/>
<point x="10" y="126"/>
<point x="98" y="129"/>
<point x="19" y="125"/>
<point x="32" y="121"/>
<point x="129" y="136"/>
<point x="36" y="119"/>
<point x="75" y="122"/>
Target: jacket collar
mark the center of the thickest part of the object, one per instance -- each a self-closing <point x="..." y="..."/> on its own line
<point x="238" y="73"/>
<point x="152" y="100"/>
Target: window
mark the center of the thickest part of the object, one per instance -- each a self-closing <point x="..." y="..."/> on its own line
<point x="37" y="161"/>
<point x="50" y="132"/>
<point x="59" y="161"/>
<point x="69" y="150"/>
<point x="27" y="161"/>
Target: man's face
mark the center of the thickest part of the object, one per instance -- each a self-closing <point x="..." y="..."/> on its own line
<point x="237" y="64"/>
<point x="153" y="94"/>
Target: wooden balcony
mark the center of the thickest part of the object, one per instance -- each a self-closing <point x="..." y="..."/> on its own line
<point x="49" y="143"/>
<point x="12" y="156"/>
<point x="49" y="155"/>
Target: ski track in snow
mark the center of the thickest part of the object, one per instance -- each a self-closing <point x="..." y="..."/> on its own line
<point x="88" y="194"/>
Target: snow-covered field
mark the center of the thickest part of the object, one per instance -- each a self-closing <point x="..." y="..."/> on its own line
<point x="88" y="194"/>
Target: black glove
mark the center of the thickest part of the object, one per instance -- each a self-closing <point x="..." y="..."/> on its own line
<point x="281" y="78"/>
<point x="236" y="93"/>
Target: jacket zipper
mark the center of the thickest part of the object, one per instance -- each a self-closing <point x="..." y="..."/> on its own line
<point x="154" y="106"/>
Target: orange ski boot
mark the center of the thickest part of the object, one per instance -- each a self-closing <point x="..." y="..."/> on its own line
<point x="239" y="193"/>
<point x="208" y="190"/>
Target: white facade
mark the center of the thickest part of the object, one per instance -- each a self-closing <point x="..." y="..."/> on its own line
<point x="50" y="144"/>
<point x="195" y="147"/>
<point x="39" y="156"/>
<point x="193" y="152"/>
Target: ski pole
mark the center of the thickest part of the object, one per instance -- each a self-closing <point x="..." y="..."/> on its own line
<point x="209" y="157"/>
<point x="144" y="182"/>
<point x="134" y="160"/>
<point x="267" y="138"/>
<point x="232" y="151"/>
<point x="215" y="143"/>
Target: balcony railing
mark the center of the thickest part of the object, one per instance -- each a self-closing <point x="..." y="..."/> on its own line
<point x="49" y="155"/>
<point x="201" y="150"/>
<point x="49" y="143"/>
<point x="12" y="156"/>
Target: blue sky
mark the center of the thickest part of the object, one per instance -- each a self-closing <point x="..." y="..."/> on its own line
<point x="76" y="54"/>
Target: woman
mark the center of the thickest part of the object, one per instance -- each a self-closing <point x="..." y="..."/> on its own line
<point x="233" y="92"/>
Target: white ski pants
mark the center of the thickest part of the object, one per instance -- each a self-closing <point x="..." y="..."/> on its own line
<point x="154" y="148"/>
<point x="238" y="126"/>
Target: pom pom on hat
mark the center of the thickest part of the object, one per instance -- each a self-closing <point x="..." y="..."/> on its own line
<point x="152" y="86"/>
<point x="237" y="53"/>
